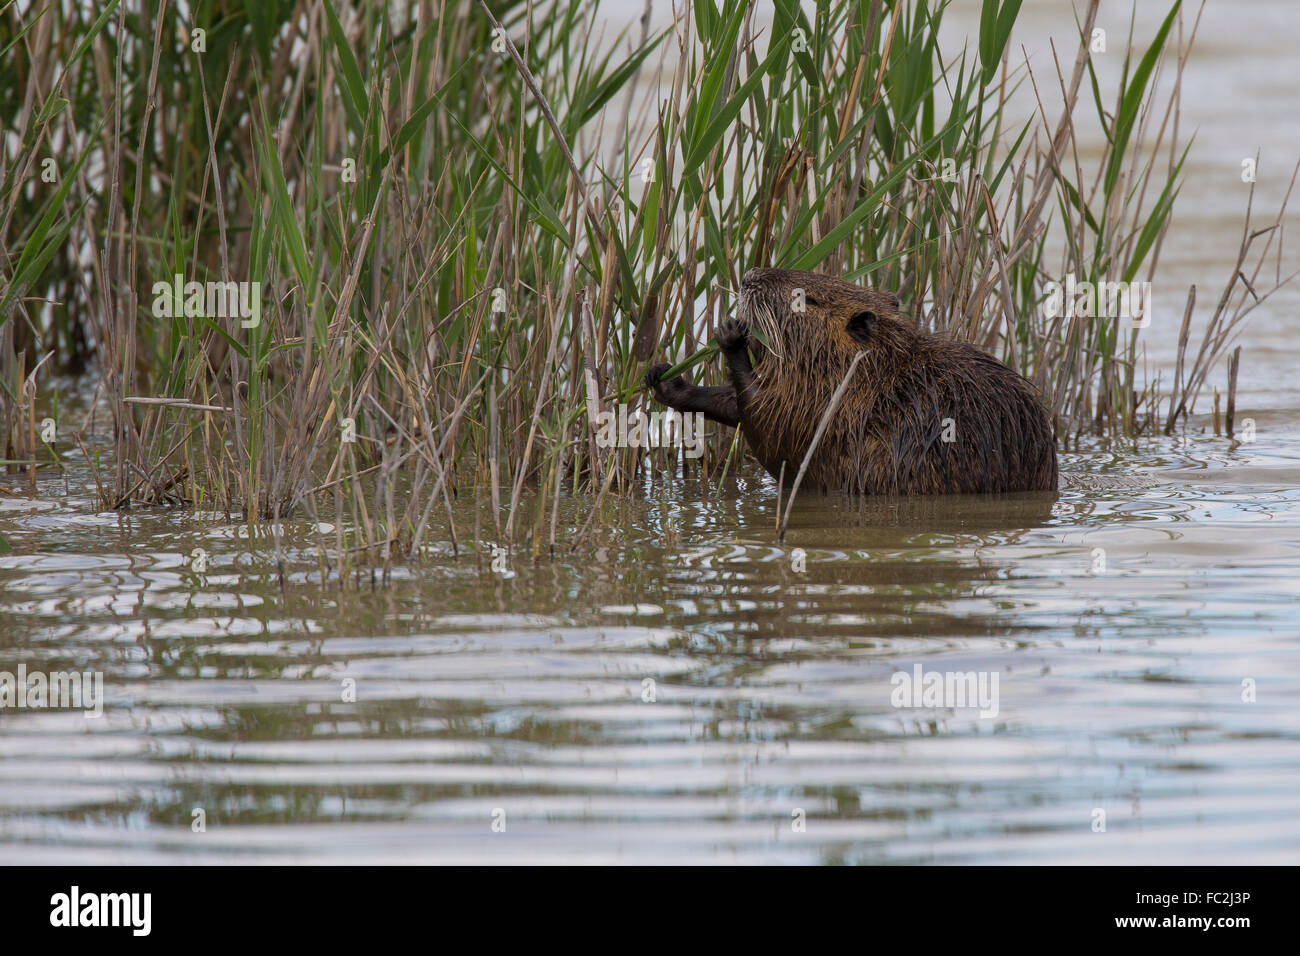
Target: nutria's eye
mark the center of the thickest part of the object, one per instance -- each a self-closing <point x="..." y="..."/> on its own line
<point x="861" y="326"/>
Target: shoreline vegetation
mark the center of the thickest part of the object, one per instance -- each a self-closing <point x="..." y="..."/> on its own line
<point x="470" y="227"/>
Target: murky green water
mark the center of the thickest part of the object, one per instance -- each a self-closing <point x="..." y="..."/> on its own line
<point x="477" y="692"/>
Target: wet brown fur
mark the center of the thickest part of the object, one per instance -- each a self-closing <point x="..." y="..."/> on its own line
<point x="886" y="435"/>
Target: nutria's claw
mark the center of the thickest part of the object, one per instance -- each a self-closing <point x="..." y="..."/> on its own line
<point x="733" y="334"/>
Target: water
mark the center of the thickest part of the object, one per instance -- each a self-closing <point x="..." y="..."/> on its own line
<point x="484" y="698"/>
<point x="1120" y="688"/>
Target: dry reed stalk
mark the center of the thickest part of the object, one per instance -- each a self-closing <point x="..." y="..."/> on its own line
<point x="1233" y="364"/>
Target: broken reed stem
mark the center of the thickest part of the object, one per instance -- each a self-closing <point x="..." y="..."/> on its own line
<point x="1232" y="387"/>
<point x="494" y="452"/>
<point x="174" y="403"/>
<point x="29" y="392"/>
<point x="816" y="440"/>
<point x="1176" y="401"/>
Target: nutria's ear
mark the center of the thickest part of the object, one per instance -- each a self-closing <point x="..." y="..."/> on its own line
<point x="861" y="326"/>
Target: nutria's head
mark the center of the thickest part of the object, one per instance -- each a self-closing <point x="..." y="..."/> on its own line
<point x="803" y="313"/>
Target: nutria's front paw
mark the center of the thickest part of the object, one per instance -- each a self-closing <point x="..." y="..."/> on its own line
<point x="654" y="381"/>
<point x="733" y="334"/>
<point x="654" y="373"/>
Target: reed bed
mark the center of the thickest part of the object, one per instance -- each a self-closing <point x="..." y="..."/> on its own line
<point x="472" y="226"/>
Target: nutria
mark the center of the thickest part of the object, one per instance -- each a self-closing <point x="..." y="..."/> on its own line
<point x="923" y="414"/>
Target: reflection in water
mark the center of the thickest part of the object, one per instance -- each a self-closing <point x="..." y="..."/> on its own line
<point x="682" y="688"/>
